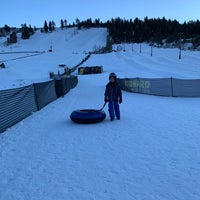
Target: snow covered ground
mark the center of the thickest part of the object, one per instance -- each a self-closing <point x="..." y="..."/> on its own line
<point x="152" y="153"/>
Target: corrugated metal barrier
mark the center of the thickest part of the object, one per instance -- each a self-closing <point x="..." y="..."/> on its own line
<point x="15" y="105"/>
<point x="44" y="93"/>
<point x="19" y="103"/>
<point x="170" y="87"/>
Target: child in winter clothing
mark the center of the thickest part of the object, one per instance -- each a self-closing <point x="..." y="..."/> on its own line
<point x="113" y="96"/>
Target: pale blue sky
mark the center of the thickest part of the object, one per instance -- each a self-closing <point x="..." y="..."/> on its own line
<point x="34" y="12"/>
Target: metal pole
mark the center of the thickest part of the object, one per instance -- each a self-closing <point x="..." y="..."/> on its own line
<point x="124" y="40"/>
<point x="180" y="46"/>
<point x="132" y="40"/>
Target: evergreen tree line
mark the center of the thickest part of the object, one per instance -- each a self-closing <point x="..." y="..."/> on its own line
<point x="5" y="30"/>
<point x="48" y="27"/>
<point x="26" y="31"/>
<point x="11" y="33"/>
<point x="156" y="30"/>
<point x="12" y="38"/>
<point x="147" y="30"/>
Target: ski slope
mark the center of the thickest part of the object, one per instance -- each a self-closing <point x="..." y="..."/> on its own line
<point x="152" y="153"/>
<point x="67" y="48"/>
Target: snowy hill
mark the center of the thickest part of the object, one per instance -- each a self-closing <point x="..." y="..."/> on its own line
<point x="151" y="153"/>
<point x="69" y="47"/>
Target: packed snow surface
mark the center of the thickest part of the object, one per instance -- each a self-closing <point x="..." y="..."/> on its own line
<point x="152" y="153"/>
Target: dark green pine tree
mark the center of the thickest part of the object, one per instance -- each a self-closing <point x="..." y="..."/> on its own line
<point x="50" y="26"/>
<point x="7" y="29"/>
<point x="31" y="30"/>
<point x="46" y="28"/>
<point x="65" y="23"/>
<point x="53" y="25"/>
<point x="13" y="37"/>
<point x="61" y="23"/>
<point x="25" y="32"/>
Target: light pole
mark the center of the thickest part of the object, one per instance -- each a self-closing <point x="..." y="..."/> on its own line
<point x="180" y="34"/>
<point x="124" y="40"/>
<point x="152" y="42"/>
<point x="132" y="40"/>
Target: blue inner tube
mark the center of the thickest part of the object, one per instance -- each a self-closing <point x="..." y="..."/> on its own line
<point x="87" y="116"/>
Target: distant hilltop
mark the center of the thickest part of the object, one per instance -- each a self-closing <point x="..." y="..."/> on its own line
<point x="158" y="32"/>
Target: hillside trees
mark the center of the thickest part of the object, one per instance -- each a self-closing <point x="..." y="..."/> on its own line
<point x="48" y="27"/>
<point x="154" y="30"/>
<point x="63" y="23"/>
<point x="12" y="38"/>
<point x="45" y="28"/>
<point x="26" y="31"/>
<point x="5" y="30"/>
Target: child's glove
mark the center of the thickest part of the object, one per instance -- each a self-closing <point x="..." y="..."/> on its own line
<point x="106" y="99"/>
<point x="120" y="101"/>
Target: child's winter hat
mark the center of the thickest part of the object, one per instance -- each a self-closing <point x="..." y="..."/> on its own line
<point x="113" y="75"/>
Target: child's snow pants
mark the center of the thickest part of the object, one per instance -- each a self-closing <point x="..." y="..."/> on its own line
<point x="113" y="108"/>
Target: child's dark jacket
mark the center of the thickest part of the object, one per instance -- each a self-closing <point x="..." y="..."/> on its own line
<point x="113" y="92"/>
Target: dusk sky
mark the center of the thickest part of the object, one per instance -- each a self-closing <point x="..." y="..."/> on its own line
<point x="34" y="12"/>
